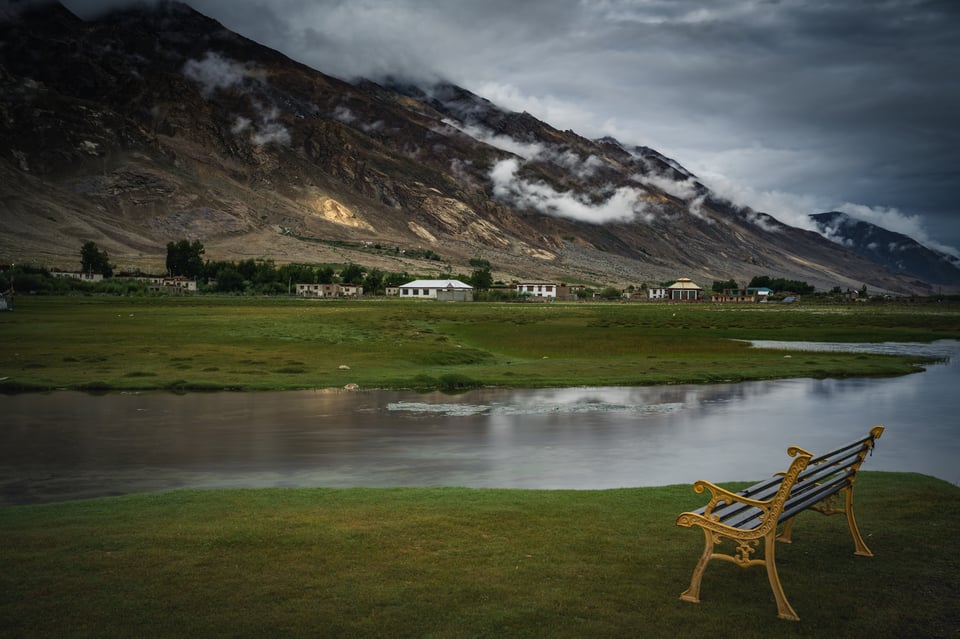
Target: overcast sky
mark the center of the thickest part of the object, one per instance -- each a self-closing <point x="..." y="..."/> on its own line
<point x="791" y="107"/>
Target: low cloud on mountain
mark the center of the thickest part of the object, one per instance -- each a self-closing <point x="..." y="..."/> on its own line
<point x="623" y="205"/>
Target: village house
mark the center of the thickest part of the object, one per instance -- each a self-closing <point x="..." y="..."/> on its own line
<point x="545" y="291"/>
<point x="737" y="295"/>
<point x="329" y="290"/>
<point x="762" y="293"/>
<point x="683" y="290"/>
<point x="537" y="289"/>
<point x="78" y="275"/>
<point x="443" y="290"/>
<point x="177" y="283"/>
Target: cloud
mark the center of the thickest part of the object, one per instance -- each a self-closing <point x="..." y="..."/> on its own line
<point x="526" y="150"/>
<point x="582" y="168"/>
<point x="269" y="129"/>
<point x="271" y="132"/>
<point x="240" y="124"/>
<point x="684" y="189"/>
<point x="214" y="72"/>
<point x="622" y="206"/>
<point x="343" y="114"/>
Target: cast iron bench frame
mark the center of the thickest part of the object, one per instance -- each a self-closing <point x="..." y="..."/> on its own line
<point x="755" y="513"/>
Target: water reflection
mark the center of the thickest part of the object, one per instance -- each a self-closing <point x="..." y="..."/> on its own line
<point x="68" y="445"/>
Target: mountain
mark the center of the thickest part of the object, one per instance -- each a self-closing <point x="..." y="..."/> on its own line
<point x="156" y="124"/>
<point x="895" y="251"/>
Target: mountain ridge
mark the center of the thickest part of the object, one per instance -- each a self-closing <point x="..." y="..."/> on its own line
<point x="895" y="251"/>
<point x="156" y="124"/>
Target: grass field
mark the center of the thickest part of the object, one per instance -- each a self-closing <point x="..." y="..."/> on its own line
<point x="206" y="343"/>
<point x="454" y="562"/>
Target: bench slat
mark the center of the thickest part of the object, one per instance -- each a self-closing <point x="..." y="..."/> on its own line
<point x="810" y="498"/>
<point x="859" y="445"/>
<point x="793" y="505"/>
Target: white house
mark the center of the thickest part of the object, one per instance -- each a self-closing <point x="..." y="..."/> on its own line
<point x="444" y="290"/>
<point x="537" y="289"/>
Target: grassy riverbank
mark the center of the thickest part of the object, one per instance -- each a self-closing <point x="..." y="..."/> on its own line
<point x="453" y="562"/>
<point x="202" y="343"/>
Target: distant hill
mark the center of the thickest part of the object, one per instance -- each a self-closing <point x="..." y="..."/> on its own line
<point x="155" y="124"/>
<point x="895" y="251"/>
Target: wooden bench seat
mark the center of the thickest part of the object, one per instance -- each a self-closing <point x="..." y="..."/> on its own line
<point x="758" y="512"/>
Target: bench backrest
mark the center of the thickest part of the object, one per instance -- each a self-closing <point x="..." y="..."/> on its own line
<point x="805" y="483"/>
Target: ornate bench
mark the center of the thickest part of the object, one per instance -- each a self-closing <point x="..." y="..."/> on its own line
<point x="746" y="517"/>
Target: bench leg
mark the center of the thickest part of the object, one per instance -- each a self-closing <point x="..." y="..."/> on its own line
<point x="861" y="546"/>
<point x="692" y="594"/>
<point x="784" y="609"/>
<point x="785" y="536"/>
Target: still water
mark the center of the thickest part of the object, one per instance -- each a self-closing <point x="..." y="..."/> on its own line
<point x="67" y="445"/>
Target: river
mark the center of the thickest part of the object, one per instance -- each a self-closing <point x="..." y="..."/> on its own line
<point x="68" y="445"/>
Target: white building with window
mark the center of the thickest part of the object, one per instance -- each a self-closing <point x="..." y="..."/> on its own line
<point x="444" y="290"/>
<point x="537" y="289"/>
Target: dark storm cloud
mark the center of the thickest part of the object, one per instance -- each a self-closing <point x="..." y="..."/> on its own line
<point x="791" y="107"/>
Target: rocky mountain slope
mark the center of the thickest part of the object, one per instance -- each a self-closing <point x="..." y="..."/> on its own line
<point x="158" y="124"/>
<point x="895" y="251"/>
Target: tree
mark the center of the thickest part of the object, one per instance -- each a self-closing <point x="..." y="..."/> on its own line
<point x="611" y="293"/>
<point x="352" y="274"/>
<point x="185" y="258"/>
<point x="780" y="284"/>
<point x="481" y="279"/>
<point x="719" y="286"/>
<point x="230" y="280"/>
<point x="93" y="260"/>
<point x="373" y="282"/>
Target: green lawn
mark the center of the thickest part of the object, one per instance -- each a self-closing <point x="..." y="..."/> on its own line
<point x="455" y="562"/>
<point x="198" y="343"/>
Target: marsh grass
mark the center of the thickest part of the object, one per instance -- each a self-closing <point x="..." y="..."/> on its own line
<point x="252" y="344"/>
<point x="454" y="562"/>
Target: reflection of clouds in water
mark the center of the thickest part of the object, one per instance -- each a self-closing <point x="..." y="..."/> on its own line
<point x="539" y="408"/>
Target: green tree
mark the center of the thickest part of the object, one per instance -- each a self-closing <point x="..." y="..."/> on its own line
<point x="352" y="274"/>
<point x="481" y="279"/>
<point x="611" y="293"/>
<point x="230" y="280"/>
<point x="719" y="286"/>
<point x="93" y="260"/>
<point x="185" y="258"/>
<point x="247" y="268"/>
<point x="373" y="282"/>
<point x="780" y="284"/>
<point x="324" y="275"/>
<point x="396" y="279"/>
